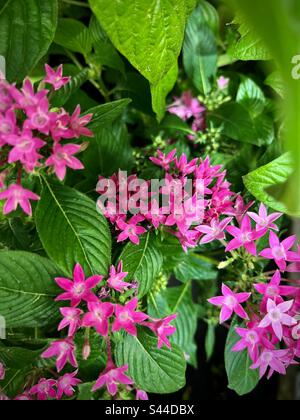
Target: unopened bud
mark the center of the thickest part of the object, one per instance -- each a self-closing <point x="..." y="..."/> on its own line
<point x="2" y="372"/>
<point x="86" y="350"/>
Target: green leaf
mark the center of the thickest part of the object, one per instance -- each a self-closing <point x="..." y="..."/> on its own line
<point x="17" y="357"/>
<point x="275" y="81"/>
<point x="105" y="114"/>
<point x="109" y="151"/>
<point x="200" y="52"/>
<point x="210" y="340"/>
<point x="89" y="369"/>
<point x="85" y="392"/>
<point x="27" y="29"/>
<point x="72" y="231"/>
<point x="193" y="267"/>
<point x="172" y="252"/>
<point x="160" y="91"/>
<point x="61" y="97"/>
<point x="74" y="36"/>
<point x="210" y="15"/>
<point x="143" y="262"/>
<point x="241" y="378"/>
<point x="249" y="46"/>
<point x="261" y="182"/>
<point x="161" y="371"/>
<point x="15" y="379"/>
<point x="251" y="97"/>
<point x="27" y="290"/>
<point x="148" y="34"/>
<point x="237" y="124"/>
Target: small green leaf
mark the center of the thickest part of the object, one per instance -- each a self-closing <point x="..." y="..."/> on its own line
<point x="161" y="371"/>
<point x="193" y="267"/>
<point x="251" y="97"/>
<point x="73" y="35"/>
<point x="105" y="114"/>
<point x="210" y="340"/>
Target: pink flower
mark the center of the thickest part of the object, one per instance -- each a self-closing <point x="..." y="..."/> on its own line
<point x="240" y="208"/>
<point x="8" y="125"/>
<point x="188" y="239"/>
<point x="79" y="288"/>
<point x="163" y="328"/>
<point x="141" y="395"/>
<point x="25" y="148"/>
<point x="78" y="124"/>
<point x="116" y="277"/>
<point x="3" y="397"/>
<point x="112" y="377"/>
<point x="275" y="359"/>
<point x="65" y="385"/>
<point x="223" y="82"/>
<point x="263" y="220"/>
<point x="6" y="99"/>
<point x="39" y="117"/>
<point x="244" y="236"/>
<point x="274" y="291"/>
<point x="64" y="350"/>
<point x="214" y="231"/>
<point x="17" y="195"/>
<point x="24" y="397"/>
<point x="98" y="316"/>
<point x="62" y="158"/>
<point x="277" y="317"/>
<point x="55" y="78"/>
<point x="2" y="371"/>
<point x="251" y="339"/>
<point x="230" y="302"/>
<point x="186" y="107"/>
<point x="164" y="160"/>
<point x="127" y="317"/>
<point x="130" y="230"/>
<point x="44" y="389"/>
<point x="295" y="267"/>
<point x="71" y="320"/>
<point x="27" y="97"/>
<point x="279" y="251"/>
<point x="185" y="167"/>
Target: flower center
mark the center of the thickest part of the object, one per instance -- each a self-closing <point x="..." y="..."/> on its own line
<point x="267" y="356"/>
<point x="246" y="237"/>
<point x="272" y="291"/>
<point x="279" y="252"/>
<point x="79" y="289"/>
<point x="5" y="128"/>
<point x="230" y="301"/>
<point x="25" y="145"/>
<point x="275" y="315"/>
<point x="124" y="316"/>
<point x="252" y="337"/>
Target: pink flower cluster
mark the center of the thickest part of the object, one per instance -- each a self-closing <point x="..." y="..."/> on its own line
<point x="33" y="136"/>
<point x="272" y="321"/>
<point x="188" y="108"/>
<point x="203" y="213"/>
<point x="105" y="318"/>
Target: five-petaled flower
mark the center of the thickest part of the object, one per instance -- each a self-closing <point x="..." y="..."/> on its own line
<point x="98" y="316"/>
<point x="277" y="317"/>
<point x="127" y="317"/>
<point x="112" y="377"/>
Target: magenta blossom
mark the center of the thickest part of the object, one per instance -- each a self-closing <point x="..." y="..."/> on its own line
<point x="141" y="395"/>
<point x="2" y="371"/>
<point x="251" y="339"/>
<point x="186" y="107"/>
<point x="130" y="230"/>
<point x="71" y="320"/>
<point x="78" y="124"/>
<point x="263" y="220"/>
<point x="223" y="82"/>
<point x="244" y="236"/>
<point x="280" y="251"/>
<point x="112" y="377"/>
<point x="44" y="389"/>
<point x="127" y="317"/>
<point x="63" y="158"/>
<point x="230" y="302"/>
<point x="8" y="125"/>
<point x="98" y="316"/>
<point x="275" y="359"/>
<point x="295" y="267"/>
<point x="66" y="384"/>
<point x="163" y="328"/>
<point x="16" y="195"/>
<point x="214" y="231"/>
<point x="164" y="160"/>
<point x="274" y="291"/>
<point x="27" y="98"/>
<point x="116" y="278"/>
<point x="79" y="288"/>
<point x="64" y="351"/>
<point x="277" y="317"/>
<point x="55" y="78"/>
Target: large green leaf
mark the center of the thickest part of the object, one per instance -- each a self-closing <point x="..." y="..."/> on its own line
<point x="18" y="357"/>
<point x="109" y="151"/>
<point x="72" y="231"/>
<point x="251" y="97"/>
<point x="143" y="262"/>
<point x="73" y="35"/>
<point x="268" y="182"/>
<point x="105" y="114"/>
<point x="27" y="28"/>
<point x="160" y="371"/>
<point x="148" y="33"/>
<point x="241" y="378"/>
<point x="27" y="290"/>
<point x="200" y="51"/>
